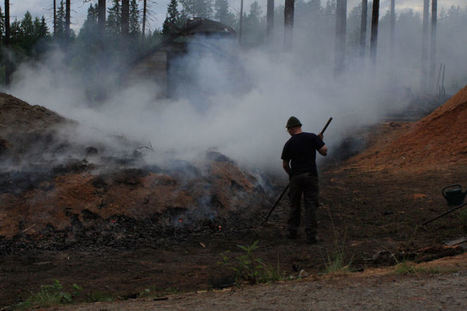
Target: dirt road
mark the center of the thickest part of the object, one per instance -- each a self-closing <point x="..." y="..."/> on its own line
<point x="380" y="289"/>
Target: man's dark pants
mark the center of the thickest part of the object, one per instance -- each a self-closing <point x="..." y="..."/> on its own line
<point x="305" y="185"/>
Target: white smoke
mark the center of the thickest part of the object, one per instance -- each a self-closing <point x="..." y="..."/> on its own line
<point x="240" y="99"/>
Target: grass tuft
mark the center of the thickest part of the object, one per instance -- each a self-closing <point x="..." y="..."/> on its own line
<point x="407" y="268"/>
<point x="50" y="295"/>
<point x="249" y="267"/>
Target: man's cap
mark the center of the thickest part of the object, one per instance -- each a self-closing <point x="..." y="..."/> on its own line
<point x="293" y="122"/>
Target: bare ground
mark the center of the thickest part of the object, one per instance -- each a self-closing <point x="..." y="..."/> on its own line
<point x="380" y="289"/>
<point x="373" y="219"/>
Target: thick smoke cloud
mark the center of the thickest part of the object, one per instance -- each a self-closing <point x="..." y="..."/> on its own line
<point x="238" y="100"/>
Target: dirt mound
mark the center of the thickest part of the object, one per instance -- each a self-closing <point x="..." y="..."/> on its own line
<point x="438" y="140"/>
<point x="92" y="194"/>
<point x="18" y="116"/>
<point x="23" y="127"/>
<point x="142" y="203"/>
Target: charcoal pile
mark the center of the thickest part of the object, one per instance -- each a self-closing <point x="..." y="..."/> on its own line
<point x="95" y="197"/>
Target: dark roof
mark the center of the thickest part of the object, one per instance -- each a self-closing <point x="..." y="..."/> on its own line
<point x="192" y="27"/>
<point x="199" y="25"/>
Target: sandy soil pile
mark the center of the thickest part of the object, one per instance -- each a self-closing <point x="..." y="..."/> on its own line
<point x="438" y="140"/>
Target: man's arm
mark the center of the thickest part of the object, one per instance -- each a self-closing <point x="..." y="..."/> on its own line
<point x="323" y="150"/>
<point x="286" y="166"/>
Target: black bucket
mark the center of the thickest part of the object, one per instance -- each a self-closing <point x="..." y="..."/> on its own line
<point x="453" y="194"/>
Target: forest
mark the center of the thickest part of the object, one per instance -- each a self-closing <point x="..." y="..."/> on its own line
<point x="125" y="25"/>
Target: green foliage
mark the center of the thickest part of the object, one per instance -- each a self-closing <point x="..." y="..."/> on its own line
<point x="60" y="22"/>
<point x="254" y="26"/>
<point x="173" y="20"/>
<point x="114" y="18"/>
<point x="197" y="8"/>
<point x="336" y="262"/>
<point x="406" y="268"/>
<point x="49" y="295"/>
<point x="250" y="268"/>
<point x="90" y="24"/>
<point x="134" y="19"/>
<point x="222" y="13"/>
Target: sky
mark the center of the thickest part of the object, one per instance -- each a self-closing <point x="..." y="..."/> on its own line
<point x="159" y="7"/>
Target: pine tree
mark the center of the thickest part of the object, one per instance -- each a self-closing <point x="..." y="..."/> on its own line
<point x="197" y="8"/>
<point x="222" y="9"/>
<point x="253" y="19"/>
<point x="91" y="20"/>
<point x="37" y="26"/>
<point x="2" y="22"/>
<point x="134" y="19"/>
<point x="27" y="28"/>
<point x="60" y="30"/>
<point x="114" y="18"/>
<point x="222" y="13"/>
<point x="89" y="30"/>
<point x="15" y="31"/>
<point x="172" y="19"/>
<point x="43" y="28"/>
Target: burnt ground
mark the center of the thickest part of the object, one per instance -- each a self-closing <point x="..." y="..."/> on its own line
<point x="371" y="218"/>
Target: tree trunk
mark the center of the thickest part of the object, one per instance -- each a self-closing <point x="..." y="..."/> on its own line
<point x="144" y="17"/>
<point x="363" y="27"/>
<point x="67" y="20"/>
<point x="125" y="17"/>
<point x="240" y="25"/>
<point x="7" y="41"/>
<point x="434" y="20"/>
<point x="55" y="17"/>
<point x="101" y="16"/>
<point x="7" y="22"/>
<point x="270" y="18"/>
<point x="374" y="30"/>
<point x="393" y="27"/>
<point x="426" y="9"/>
<point x="288" y="22"/>
<point x="341" y="27"/>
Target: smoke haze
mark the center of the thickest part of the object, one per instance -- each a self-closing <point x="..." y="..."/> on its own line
<point x="238" y="100"/>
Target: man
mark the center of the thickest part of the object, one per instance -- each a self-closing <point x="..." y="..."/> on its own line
<point x="298" y="160"/>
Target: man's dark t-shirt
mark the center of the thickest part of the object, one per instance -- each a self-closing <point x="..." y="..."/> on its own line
<point x="300" y="149"/>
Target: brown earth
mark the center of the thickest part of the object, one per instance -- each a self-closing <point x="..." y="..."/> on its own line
<point x="437" y="141"/>
<point x="371" y="216"/>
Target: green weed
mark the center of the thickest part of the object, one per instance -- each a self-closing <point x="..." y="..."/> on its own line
<point x="50" y="295"/>
<point x="407" y="267"/>
<point x="336" y="262"/>
<point x="250" y="268"/>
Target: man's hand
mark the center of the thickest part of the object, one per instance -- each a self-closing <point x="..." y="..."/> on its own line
<point x="320" y="135"/>
<point x="323" y="150"/>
